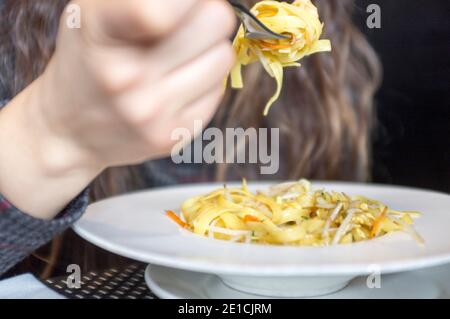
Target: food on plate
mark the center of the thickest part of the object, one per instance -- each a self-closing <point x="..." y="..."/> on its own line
<point x="291" y="214"/>
<point x="300" y="20"/>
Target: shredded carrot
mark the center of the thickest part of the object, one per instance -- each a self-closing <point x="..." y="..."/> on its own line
<point x="274" y="46"/>
<point x="377" y="223"/>
<point x="176" y="219"/>
<point x="250" y="218"/>
<point x="279" y="46"/>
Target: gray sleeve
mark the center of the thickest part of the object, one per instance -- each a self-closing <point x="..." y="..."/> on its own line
<point x="21" y="234"/>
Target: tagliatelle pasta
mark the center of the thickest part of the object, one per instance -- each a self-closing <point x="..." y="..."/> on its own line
<point x="291" y="214"/>
<point x="300" y="20"/>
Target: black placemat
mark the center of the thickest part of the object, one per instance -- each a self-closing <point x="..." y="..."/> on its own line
<point x="114" y="283"/>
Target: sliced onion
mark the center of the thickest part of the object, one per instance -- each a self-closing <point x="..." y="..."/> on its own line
<point x="229" y="232"/>
<point x="330" y="219"/>
<point x="288" y="196"/>
<point x="265" y="63"/>
<point x="280" y="188"/>
<point x="321" y="203"/>
<point x="227" y="195"/>
<point x="354" y="210"/>
<point x="342" y="229"/>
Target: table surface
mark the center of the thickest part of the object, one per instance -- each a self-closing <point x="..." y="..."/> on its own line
<point x="129" y="283"/>
<point x="26" y="287"/>
<point x="123" y="283"/>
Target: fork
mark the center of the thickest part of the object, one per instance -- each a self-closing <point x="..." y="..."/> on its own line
<point x="254" y="28"/>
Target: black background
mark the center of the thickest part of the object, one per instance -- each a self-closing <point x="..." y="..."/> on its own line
<point x="412" y="137"/>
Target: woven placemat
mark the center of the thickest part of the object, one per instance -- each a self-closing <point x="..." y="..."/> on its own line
<point x="114" y="283"/>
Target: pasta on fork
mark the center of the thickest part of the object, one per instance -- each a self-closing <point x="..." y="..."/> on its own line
<point x="300" y="20"/>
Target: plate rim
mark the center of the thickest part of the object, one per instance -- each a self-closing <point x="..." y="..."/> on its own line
<point x="287" y="270"/>
<point x="268" y="182"/>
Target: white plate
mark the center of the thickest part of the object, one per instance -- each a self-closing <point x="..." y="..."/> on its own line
<point x="135" y="226"/>
<point x="432" y="283"/>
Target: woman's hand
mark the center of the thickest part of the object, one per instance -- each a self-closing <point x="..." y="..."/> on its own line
<point x="112" y="94"/>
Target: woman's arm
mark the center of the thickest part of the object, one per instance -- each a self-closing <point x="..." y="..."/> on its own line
<point x="111" y="95"/>
<point x="21" y="233"/>
<point x="39" y="174"/>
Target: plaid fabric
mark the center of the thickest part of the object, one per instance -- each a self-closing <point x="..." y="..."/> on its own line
<point x="21" y="234"/>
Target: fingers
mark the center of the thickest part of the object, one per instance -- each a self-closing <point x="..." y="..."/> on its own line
<point x="206" y="24"/>
<point x="159" y="63"/>
<point x="159" y="135"/>
<point x="179" y="88"/>
<point x="201" y="110"/>
<point x="212" y="22"/>
<point x="139" y="20"/>
<point x="200" y="76"/>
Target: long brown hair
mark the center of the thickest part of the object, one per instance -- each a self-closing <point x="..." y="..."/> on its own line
<point x="325" y="113"/>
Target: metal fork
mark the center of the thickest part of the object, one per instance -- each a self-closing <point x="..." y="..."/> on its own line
<point x="254" y="28"/>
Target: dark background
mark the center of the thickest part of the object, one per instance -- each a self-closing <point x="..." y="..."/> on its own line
<point x="412" y="137"/>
